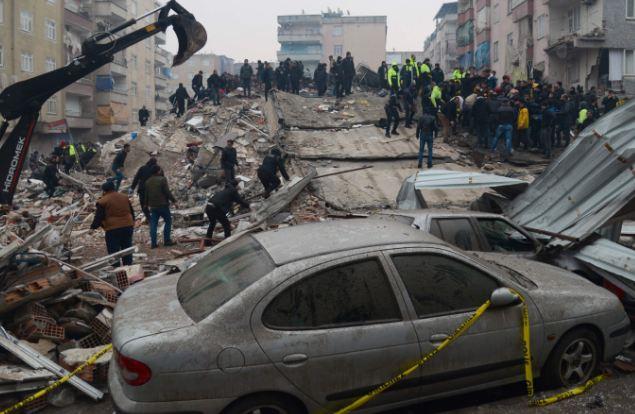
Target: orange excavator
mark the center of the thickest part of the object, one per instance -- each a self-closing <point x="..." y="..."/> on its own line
<point x="22" y="101"/>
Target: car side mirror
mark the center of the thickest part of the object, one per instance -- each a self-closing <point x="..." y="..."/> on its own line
<point x="503" y="297"/>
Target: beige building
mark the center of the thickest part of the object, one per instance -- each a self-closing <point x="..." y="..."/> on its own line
<point x="440" y="46"/>
<point x="31" y="43"/>
<point x="313" y="38"/>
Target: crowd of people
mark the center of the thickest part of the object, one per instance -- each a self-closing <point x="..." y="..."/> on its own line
<point x="530" y="114"/>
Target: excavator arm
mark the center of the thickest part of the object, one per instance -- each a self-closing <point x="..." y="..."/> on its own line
<point x="24" y="100"/>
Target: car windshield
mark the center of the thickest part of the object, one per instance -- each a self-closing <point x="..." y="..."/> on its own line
<point x="221" y="275"/>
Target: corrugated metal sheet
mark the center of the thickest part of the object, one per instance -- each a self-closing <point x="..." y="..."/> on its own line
<point x="587" y="185"/>
<point x="447" y="179"/>
<point x="628" y="228"/>
<point x="609" y="256"/>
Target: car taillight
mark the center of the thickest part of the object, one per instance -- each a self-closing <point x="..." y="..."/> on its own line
<point x="134" y="372"/>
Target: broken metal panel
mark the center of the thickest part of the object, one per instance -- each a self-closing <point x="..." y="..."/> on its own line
<point x="408" y="197"/>
<point x="628" y="228"/>
<point x="588" y="184"/>
<point x="611" y="257"/>
<point x="446" y="179"/>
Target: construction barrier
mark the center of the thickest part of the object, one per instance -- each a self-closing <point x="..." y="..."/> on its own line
<point x="90" y="361"/>
<point x="526" y="349"/>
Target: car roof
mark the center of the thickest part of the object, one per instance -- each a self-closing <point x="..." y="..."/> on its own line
<point x="295" y="243"/>
<point x="439" y="213"/>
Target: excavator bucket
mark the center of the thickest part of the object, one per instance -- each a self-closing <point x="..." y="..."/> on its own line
<point x="192" y="37"/>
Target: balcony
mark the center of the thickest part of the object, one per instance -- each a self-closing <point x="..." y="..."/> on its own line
<point x="115" y="95"/>
<point x="80" y="122"/>
<point x="466" y="16"/>
<point x="119" y="66"/>
<point x="298" y="37"/>
<point x="113" y="11"/>
<point x="523" y="10"/>
<point x="79" y="21"/>
<point x="79" y="88"/>
<point x="303" y="56"/>
<point x="160" y="81"/>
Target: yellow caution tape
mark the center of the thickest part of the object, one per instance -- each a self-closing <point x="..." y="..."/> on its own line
<point x="457" y="333"/>
<point x="526" y="349"/>
<point x="57" y="383"/>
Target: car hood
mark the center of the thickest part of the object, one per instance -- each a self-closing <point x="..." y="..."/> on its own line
<point x="558" y="293"/>
<point x="148" y="308"/>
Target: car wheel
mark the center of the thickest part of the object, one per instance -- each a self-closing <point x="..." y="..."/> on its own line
<point x="574" y="359"/>
<point x="265" y="404"/>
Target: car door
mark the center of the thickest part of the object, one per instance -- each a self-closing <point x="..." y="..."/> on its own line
<point x="458" y="231"/>
<point x="338" y="331"/>
<point x="500" y="236"/>
<point x="443" y="289"/>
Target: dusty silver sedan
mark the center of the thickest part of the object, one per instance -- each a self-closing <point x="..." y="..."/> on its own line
<point x="307" y="318"/>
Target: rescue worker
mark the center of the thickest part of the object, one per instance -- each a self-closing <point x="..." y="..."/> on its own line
<point x="246" y="73"/>
<point x="218" y="206"/>
<point x="409" y="105"/>
<point x="180" y="96"/>
<point x="584" y="116"/>
<point x="229" y="161"/>
<point x="115" y="215"/>
<point x="213" y="86"/>
<point x="392" y="108"/>
<point x="118" y="164"/>
<point x="70" y="158"/>
<point x="426" y="128"/>
<point x="144" y="115"/>
<point x="268" y="171"/>
<point x="87" y="152"/>
<point x="425" y="73"/>
<point x="436" y="96"/>
<point x="437" y="74"/>
<point x="157" y="198"/>
<point x="406" y="75"/>
<point x="50" y="177"/>
<point x="143" y="173"/>
<point x="394" y="79"/>
<point x="348" y="68"/>
<point x="382" y="72"/>
<point x="197" y="84"/>
<point x="522" y="124"/>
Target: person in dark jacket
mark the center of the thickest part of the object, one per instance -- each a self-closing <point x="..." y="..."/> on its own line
<point x="280" y="78"/>
<point x="409" y="105"/>
<point x="337" y="73"/>
<point x="50" y="177"/>
<point x="143" y="173"/>
<point x="295" y="74"/>
<point x="260" y="69"/>
<point x="392" y="108"/>
<point x="34" y="161"/>
<point x="267" y="79"/>
<point x="437" y="74"/>
<point x="268" y="171"/>
<point x="213" y="85"/>
<point x="506" y="119"/>
<point x="563" y="119"/>
<point x="118" y="164"/>
<point x="158" y="197"/>
<point x="320" y="77"/>
<point x="246" y="73"/>
<point x="197" y="84"/>
<point x="406" y="75"/>
<point x="229" y="161"/>
<point x="115" y="215"/>
<point x="348" y="67"/>
<point x="382" y="72"/>
<point x="218" y="206"/>
<point x="426" y="128"/>
<point x="480" y="114"/>
<point x="180" y="97"/>
<point x="144" y="115"/>
<point x="609" y="102"/>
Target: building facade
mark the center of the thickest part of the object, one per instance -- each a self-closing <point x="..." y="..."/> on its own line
<point x="207" y="62"/>
<point x="440" y="47"/>
<point x="311" y="39"/>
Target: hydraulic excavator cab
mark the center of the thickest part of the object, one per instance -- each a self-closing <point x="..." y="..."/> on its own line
<point x="191" y="35"/>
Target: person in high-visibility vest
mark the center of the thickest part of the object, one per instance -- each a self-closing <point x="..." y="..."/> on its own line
<point x="394" y="78"/>
<point x="585" y="117"/>
<point x="424" y="73"/>
<point x="69" y="158"/>
<point x="436" y="96"/>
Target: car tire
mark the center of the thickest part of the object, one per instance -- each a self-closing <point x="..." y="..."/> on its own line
<point x="574" y="359"/>
<point x="265" y="404"/>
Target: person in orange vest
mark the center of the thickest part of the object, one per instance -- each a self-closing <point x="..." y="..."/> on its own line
<point x="522" y="124"/>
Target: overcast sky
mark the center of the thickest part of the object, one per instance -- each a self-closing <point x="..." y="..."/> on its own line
<point x="248" y="28"/>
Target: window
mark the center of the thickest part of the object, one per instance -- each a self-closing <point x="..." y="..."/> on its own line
<point x="148" y="67"/>
<point x="221" y="275"/>
<point x="629" y="62"/>
<point x="630" y="9"/>
<point x="440" y="285"/>
<point x="50" y="64"/>
<point x="510" y="6"/>
<point x="50" y="29"/>
<point x="338" y="50"/>
<point x="133" y="89"/>
<point x="495" y="52"/>
<point x="51" y="105"/>
<point x="540" y="26"/>
<point x="350" y="294"/>
<point x="337" y="31"/>
<point x="496" y="14"/>
<point x="26" y="21"/>
<point x="133" y="61"/>
<point x="502" y="237"/>
<point x="574" y="19"/>
<point x="26" y="62"/>
<point x="457" y="231"/>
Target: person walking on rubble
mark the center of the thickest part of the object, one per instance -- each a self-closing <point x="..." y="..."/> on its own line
<point x="426" y="128"/>
<point x="268" y="171"/>
<point x="118" y="164"/>
<point x="213" y="85"/>
<point x="246" y="73"/>
<point x="506" y="118"/>
<point x="143" y="173"/>
<point x="157" y="198"/>
<point x="115" y="215"/>
<point x="348" y="68"/>
<point x="181" y="96"/>
<point x="144" y="115"/>
<point x="267" y="79"/>
<point x="197" y="85"/>
<point x="50" y="177"/>
<point x="229" y="161"/>
<point x="219" y="205"/>
<point x="392" y="108"/>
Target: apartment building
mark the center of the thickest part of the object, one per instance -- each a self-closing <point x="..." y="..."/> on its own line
<point x="207" y="62"/>
<point x="440" y="47"/>
<point x="312" y="38"/>
<point x="465" y="33"/>
<point x="31" y="43"/>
